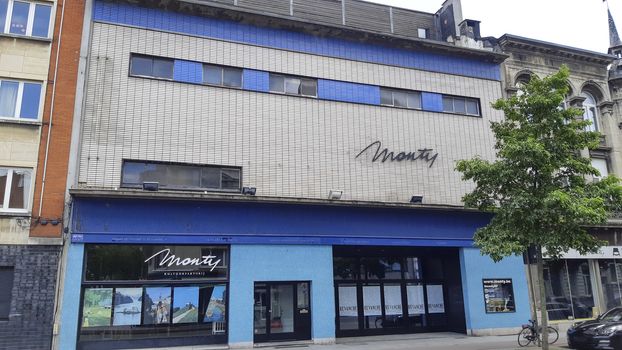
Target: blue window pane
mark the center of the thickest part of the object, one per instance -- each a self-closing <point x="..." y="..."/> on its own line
<point x="8" y="98"/>
<point x="141" y="65"/>
<point x="41" y="24"/>
<point x="4" y="4"/>
<point x="19" y="18"/>
<point x="30" y="101"/>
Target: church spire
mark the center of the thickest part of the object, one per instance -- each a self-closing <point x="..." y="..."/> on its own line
<point x="614" y="38"/>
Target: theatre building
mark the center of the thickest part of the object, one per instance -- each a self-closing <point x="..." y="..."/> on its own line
<point x="259" y="171"/>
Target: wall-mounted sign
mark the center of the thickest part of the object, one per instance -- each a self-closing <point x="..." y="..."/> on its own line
<point x="154" y="262"/>
<point x="499" y="295"/>
<point x="383" y="154"/>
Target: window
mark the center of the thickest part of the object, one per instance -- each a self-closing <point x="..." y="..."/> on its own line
<point x="461" y="105"/>
<point x="148" y="66"/>
<point x="568" y="289"/>
<point x="589" y="112"/>
<point x="222" y="76"/>
<point x="601" y="165"/>
<point x="25" y="18"/>
<point x="422" y="33"/>
<point x="6" y="287"/>
<point x="14" y="189"/>
<point x="19" y="100"/>
<point x="400" y="98"/>
<point x="181" y="176"/>
<point x="293" y="85"/>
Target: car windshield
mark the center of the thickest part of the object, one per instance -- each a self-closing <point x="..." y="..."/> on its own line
<point x="612" y="316"/>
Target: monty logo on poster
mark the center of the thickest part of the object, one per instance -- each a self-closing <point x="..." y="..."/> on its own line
<point x="171" y="260"/>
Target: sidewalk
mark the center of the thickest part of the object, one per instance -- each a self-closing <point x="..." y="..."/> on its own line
<point x="427" y="341"/>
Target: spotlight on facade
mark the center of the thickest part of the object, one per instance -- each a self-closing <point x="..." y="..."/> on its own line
<point x="249" y="191"/>
<point x="55" y="222"/>
<point x="335" y="194"/>
<point x="43" y="221"/>
<point x="151" y="186"/>
<point x="416" y="199"/>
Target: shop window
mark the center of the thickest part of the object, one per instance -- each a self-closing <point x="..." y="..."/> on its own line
<point x="372" y="306"/>
<point x="150" y="66"/>
<point x="6" y="289"/>
<point x="222" y="76"/>
<point x="25" y="18"/>
<point x="181" y="176"/>
<point x="20" y="99"/>
<point x="400" y="98"/>
<point x="568" y="289"/>
<point x="15" y="189"/>
<point x="461" y="105"/>
<point x="348" y="306"/>
<point x="345" y="268"/>
<point x="382" y="268"/>
<point x="611" y="278"/>
<point x="157" y="291"/>
<point x="293" y="85"/>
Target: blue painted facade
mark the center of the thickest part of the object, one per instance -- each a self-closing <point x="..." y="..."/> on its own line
<point x="188" y="72"/>
<point x="348" y="92"/>
<point x="289" y="40"/>
<point x="258" y="263"/>
<point x="476" y="267"/>
<point x="165" y="221"/>
<point x="68" y="337"/>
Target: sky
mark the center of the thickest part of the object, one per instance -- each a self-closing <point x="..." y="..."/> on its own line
<point x="577" y="23"/>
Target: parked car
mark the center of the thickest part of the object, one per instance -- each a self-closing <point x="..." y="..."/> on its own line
<point x="605" y="332"/>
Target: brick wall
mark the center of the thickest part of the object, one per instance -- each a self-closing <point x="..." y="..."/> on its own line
<point x="32" y="306"/>
<point x="64" y="102"/>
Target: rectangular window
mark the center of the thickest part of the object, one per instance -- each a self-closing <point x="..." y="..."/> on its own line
<point x="601" y="165"/>
<point x="422" y="33"/>
<point x="181" y="176"/>
<point x="149" y="66"/>
<point x="14" y="189"/>
<point x="293" y="85"/>
<point x="25" y="18"/>
<point x="461" y="105"/>
<point x="6" y="288"/>
<point x="400" y="98"/>
<point x="19" y="100"/>
<point x="222" y="76"/>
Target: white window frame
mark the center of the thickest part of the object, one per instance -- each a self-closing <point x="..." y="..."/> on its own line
<point x="18" y="100"/>
<point x="424" y="31"/>
<point x="31" y="18"/>
<point x="7" y="192"/>
<point x="407" y="92"/>
<point x="590" y="104"/>
<point x="300" y="79"/>
<point x="606" y="168"/>
<point x="465" y="99"/>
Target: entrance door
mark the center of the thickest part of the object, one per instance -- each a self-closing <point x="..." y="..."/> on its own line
<point x="282" y="311"/>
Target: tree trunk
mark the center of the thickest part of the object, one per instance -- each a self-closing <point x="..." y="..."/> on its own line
<point x="532" y="287"/>
<point x="544" y="316"/>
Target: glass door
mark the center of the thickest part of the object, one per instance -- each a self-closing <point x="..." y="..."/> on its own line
<point x="282" y="311"/>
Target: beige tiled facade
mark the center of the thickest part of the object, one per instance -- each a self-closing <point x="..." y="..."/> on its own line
<point x="23" y="59"/>
<point x="287" y="146"/>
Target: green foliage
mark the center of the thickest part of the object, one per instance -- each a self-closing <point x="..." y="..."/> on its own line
<point x="539" y="188"/>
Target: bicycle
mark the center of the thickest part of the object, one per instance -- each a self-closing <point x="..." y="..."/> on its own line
<point x="529" y="334"/>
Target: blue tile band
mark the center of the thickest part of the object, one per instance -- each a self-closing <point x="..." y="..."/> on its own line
<point x="256" y="80"/>
<point x="348" y="92"/>
<point x="277" y="38"/>
<point x="431" y="102"/>
<point x="188" y="72"/>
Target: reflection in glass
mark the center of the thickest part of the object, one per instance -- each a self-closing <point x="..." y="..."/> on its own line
<point x="20" y="189"/>
<point x="157" y="306"/>
<point x="412" y="269"/>
<point x="260" y="309"/>
<point x="4" y="173"/>
<point x="557" y="290"/>
<point x="580" y="288"/>
<point x="345" y="268"/>
<point x="127" y="306"/>
<point x="41" y="23"/>
<point x="19" y="18"/>
<point x="232" y="77"/>
<point x="30" y="101"/>
<point x="97" y="307"/>
<point x="282" y="309"/>
<point x="216" y="308"/>
<point x="610" y="273"/>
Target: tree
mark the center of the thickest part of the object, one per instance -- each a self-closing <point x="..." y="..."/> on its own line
<point x="540" y="187"/>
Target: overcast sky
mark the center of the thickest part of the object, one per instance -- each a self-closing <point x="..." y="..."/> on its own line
<point x="578" y="23"/>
